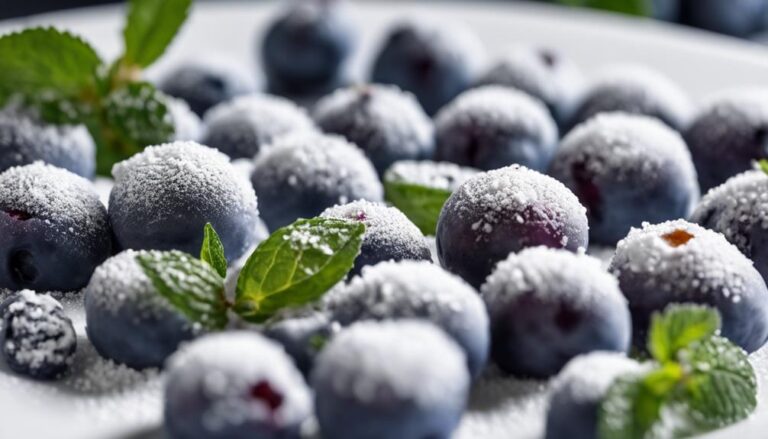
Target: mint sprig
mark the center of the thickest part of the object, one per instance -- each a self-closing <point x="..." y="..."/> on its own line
<point x="150" y="27"/>
<point x="702" y="379"/>
<point x="630" y="7"/>
<point x="421" y="204"/>
<point x="212" y="250"/>
<point x="763" y="165"/>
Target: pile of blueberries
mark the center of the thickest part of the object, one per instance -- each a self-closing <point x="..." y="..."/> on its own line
<point x="540" y="162"/>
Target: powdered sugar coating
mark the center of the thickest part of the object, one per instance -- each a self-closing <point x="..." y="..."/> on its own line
<point x="437" y="175"/>
<point x="242" y="126"/>
<point x="187" y="125"/>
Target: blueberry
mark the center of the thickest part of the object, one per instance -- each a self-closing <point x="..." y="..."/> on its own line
<point x="542" y="73"/>
<point x="420" y="290"/>
<point x="25" y="140"/>
<point x="203" y="84"/>
<point x="306" y="49"/>
<point x="739" y="210"/>
<point x="301" y="175"/>
<point x="637" y="90"/>
<point x="626" y="169"/>
<point x="234" y="385"/>
<point x="435" y="63"/>
<point x="241" y="127"/>
<point x="578" y="391"/>
<point x="492" y="126"/>
<point x="728" y="134"/>
<point x="54" y="231"/>
<point x="437" y="175"/>
<point x="680" y="262"/>
<point x="303" y="337"/>
<point x="387" y="123"/>
<point x="503" y="211"/>
<point x="127" y="320"/>
<point x="163" y="197"/>
<point x="547" y="306"/>
<point x="391" y="380"/>
<point x="187" y="125"/>
<point x="36" y="338"/>
<point x="739" y="18"/>
<point x="389" y="235"/>
<point x="667" y="10"/>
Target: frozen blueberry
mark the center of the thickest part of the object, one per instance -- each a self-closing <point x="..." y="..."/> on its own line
<point x="36" y="337"/>
<point x="387" y="123"/>
<point x="434" y="62"/>
<point x="419" y="290"/>
<point x="437" y="175"/>
<point x="306" y="49"/>
<point x="241" y="127"/>
<point x="390" y="380"/>
<point x="542" y="73"/>
<point x="503" y="211"/>
<point x="203" y="84"/>
<point x="301" y="175"/>
<point x="728" y="134"/>
<point x="234" y="385"/>
<point x="163" y="197"/>
<point x="303" y="337"/>
<point x="25" y="140"/>
<point x="389" y="234"/>
<point x="578" y="391"/>
<point x="680" y="262"/>
<point x="739" y="210"/>
<point x="667" y="10"/>
<point x="550" y="305"/>
<point x="637" y="90"/>
<point x="54" y="231"/>
<point x="493" y="126"/>
<point x="739" y="18"/>
<point x="626" y="169"/>
<point x="127" y="320"/>
<point x="187" y="125"/>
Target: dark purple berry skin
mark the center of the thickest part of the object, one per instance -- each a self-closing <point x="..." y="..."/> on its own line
<point x="302" y="338"/>
<point x="203" y="85"/>
<point x="433" y="63"/>
<point x="740" y="18"/>
<point x="305" y="50"/>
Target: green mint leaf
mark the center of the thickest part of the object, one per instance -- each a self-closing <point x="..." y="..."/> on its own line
<point x="722" y="386"/>
<point x="46" y="61"/>
<point x="678" y="327"/>
<point x="631" y="7"/>
<point x="212" y="250"/>
<point x="763" y="163"/>
<point x="296" y="265"/>
<point x="150" y="27"/>
<point x="189" y="284"/>
<point x="421" y="204"/>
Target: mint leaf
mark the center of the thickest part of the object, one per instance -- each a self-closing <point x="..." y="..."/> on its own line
<point x="212" y="250"/>
<point x="296" y="265"/>
<point x="679" y="326"/>
<point x="763" y="163"/>
<point x="150" y="28"/>
<point x="631" y="7"/>
<point x="46" y="61"/>
<point x="421" y="204"/>
<point x="190" y="285"/>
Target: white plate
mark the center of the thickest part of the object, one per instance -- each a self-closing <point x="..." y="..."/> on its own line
<point x="102" y="400"/>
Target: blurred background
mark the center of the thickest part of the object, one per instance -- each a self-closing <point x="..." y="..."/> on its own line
<point x="739" y="18"/>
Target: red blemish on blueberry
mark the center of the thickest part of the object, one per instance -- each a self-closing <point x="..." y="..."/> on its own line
<point x="264" y="392"/>
<point x="19" y="215"/>
<point x="587" y="190"/>
<point x="677" y="237"/>
<point x="361" y="216"/>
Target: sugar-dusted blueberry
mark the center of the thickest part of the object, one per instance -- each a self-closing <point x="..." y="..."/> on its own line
<point x="234" y="385"/>
<point x="389" y="234"/>
<point x="437" y="175"/>
<point x="306" y="49"/>
<point x="493" y="126"/>
<point x="242" y="126"/>
<point x="390" y="380"/>
<point x="385" y="122"/>
<point x="503" y="211"/>
<point x="127" y="320"/>
<point x="740" y="18"/>
<point x="303" y="337"/>
<point x="637" y="90"/>
<point x="54" y="230"/>
<point x="164" y="196"/>
<point x="301" y="175"/>
<point x="739" y="210"/>
<point x="203" y="84"/>
<point x="626" y="169"/>
<point x="186" y="124"/>
<point x="550" y="305"/>
<point x="36" y="338"/>
<point x="24" y="140"/>
<point x="433" y="61"/>
<point x="541" y="72"/>
<point x="680" y="262"/>
<point x="577" y="392"/>
<point x="728" y="134"/>
<point x="417" y="290"/>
